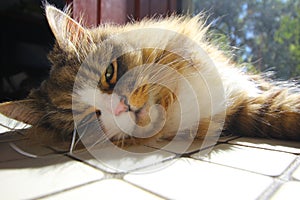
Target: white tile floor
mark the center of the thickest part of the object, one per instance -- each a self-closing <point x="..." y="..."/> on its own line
<point x="289" y="190"/>
<point x="236" y="168"/>
<point x="114" y="160"/>
<point x="296" y="174"/>
<point x="192" y="179"/>
<point x="262" y="161"/>
<point x="105" y="189"/>
<point x="31" y="178"/>
<point x="284" y="146"/>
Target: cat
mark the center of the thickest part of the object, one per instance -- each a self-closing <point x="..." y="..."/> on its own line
<point x="152" y="79"/>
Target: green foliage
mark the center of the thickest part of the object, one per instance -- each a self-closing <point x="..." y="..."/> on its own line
<point x="288" y="35"/>
<point x="266" y="32"/>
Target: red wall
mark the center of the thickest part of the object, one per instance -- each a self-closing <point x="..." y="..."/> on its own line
<point x="95" y="12"/>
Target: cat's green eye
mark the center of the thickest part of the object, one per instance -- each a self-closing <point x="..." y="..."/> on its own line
<point x="109" y="77"/>
<point x="109" y="74"/>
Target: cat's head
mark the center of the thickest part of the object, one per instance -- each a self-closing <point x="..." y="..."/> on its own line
<point x="112" y="75"/>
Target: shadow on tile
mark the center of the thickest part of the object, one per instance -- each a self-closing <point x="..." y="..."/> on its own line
<point x="272" y="144"/>
<point x="113" y="159"/>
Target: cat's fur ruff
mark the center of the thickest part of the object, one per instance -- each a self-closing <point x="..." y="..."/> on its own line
<point x="250" y="107"/>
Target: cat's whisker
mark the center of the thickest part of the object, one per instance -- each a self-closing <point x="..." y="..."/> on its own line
<point x="72" y="146"/>
<point x="12" y="129"/>
<point x="167" y="65"/>
<point x="172" y="53"/>
<point x="146" y="63"/>
<point x="153" y="69"/>
<point x="44" y="117"/>
<point x="104" y="138"/>
<point x="154" y="50"/>
<point x="81" y="135"/>
<point x="168" y="80"/>
<point x="97" y="130"/>
<point x="149" y="64"/>
<point x="92" y="122"/>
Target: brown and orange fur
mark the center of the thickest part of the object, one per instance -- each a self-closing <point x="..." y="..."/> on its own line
<point x="251" y="106"/>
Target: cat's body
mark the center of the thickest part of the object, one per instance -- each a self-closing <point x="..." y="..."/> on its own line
<point x="151" y="79"/>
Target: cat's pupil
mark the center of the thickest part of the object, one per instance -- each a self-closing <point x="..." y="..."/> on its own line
<point x="98" y="113"/>
<point x="109" y="72"/>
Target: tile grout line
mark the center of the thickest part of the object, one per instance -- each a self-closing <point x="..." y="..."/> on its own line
<point x="236" y="168"/>
<point x="285" y="177"/>
<point x="278" y="181"/>
<point x="65" y="190"/>
<point x="105" y="173"/>
<point x="287" y="174"/>
<point x="263" y="148"/>
<point x="269" y="191"/>
<point x="120" y="174"/>
<point x="144" y="189"/>
<point x="107" y="176"/>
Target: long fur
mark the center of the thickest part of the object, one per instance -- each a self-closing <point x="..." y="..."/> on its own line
<point x="245" y="104"/>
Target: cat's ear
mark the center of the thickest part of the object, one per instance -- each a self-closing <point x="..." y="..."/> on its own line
<point x="69" y="34"/>
<point x="21" y="111"/>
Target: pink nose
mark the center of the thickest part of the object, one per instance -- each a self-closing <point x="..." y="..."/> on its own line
<point x="121" y="107"/>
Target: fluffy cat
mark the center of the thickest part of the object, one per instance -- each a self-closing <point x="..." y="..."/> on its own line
<point x="150" y="79"/>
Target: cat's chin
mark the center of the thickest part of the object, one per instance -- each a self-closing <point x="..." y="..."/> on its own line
<point x="125" y="122"/>
<point x="149" y="121"/>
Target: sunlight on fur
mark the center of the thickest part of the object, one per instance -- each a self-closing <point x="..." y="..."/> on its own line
<point x="153" y="80"/>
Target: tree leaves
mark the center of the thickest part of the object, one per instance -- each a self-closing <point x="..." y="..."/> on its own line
<point x="267" y="32"/>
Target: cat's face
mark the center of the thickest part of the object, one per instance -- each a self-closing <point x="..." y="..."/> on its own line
<point x="120" y="81"/>
<point x="119" y="84"/>
<point x="149" y="79"/>
<point x="102" y="76"/>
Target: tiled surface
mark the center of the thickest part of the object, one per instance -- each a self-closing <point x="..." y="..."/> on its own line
<point x="289" y="190"/>
<point x="31" y="178"/>
<point x="114" y="160"/>
<point x="267" y="162"/>
<point x="105" y="189"/>
<point x="8" y="124"/>
<point x="235" y="168"/>
<point x="183" y="146"/>
<point x="192" y="179"/>
<point x="296" y="174"/>
<point x="284" y="146"/>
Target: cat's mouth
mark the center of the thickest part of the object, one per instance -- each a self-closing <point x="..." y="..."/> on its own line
<point x="140" y="114"/>
<point x="148" y="119"/>
<point x="141" y="122"/>
<point x="118" y="118"/>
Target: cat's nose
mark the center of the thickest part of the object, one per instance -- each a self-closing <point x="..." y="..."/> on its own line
<point x="122" y="106"/>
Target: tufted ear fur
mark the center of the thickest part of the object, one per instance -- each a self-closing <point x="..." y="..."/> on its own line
<point x="22" y="111"/>
<point x="68" y="33"/>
